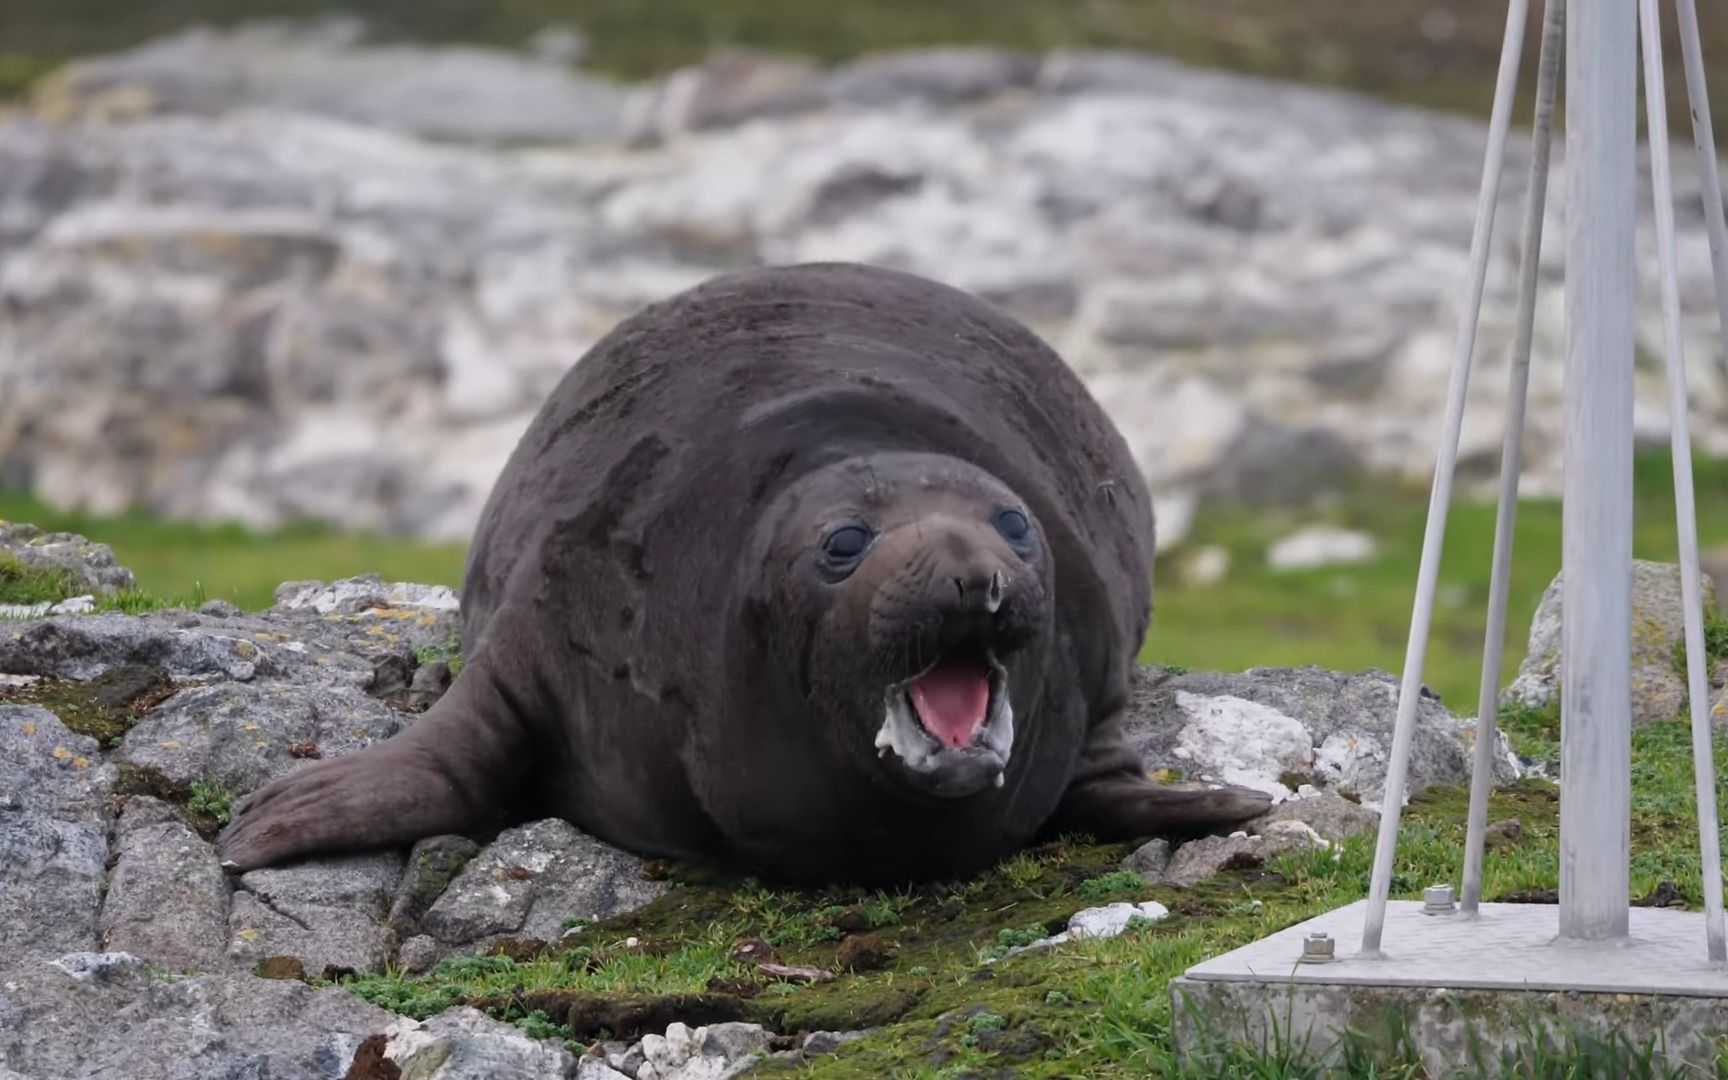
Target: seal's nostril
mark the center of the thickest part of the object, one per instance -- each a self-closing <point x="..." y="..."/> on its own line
<point x="993" y="598"/>
<point x="960" y="587"/>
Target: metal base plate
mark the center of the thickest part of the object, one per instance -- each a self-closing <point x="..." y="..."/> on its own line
<point x="1506" y="947"/>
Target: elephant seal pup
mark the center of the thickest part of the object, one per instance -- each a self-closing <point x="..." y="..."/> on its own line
<point x="827" y="573"/>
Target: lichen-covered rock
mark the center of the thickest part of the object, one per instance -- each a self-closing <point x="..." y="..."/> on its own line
<point x="1275" y="729"/>
<point x="167" y="900"/>
<point x="331" y="914"/>
<point x="1658" y="626"/>
<point x="243" y="735"/>
<point x="433" y="863"/>
<point x="88" y="566"/>
<point x="53" y="834"/>
<point x="362" y="633"/>
<point x="530" y="880"/>
<point x="87" y="1015"/>
<point x="466" y="1044"/>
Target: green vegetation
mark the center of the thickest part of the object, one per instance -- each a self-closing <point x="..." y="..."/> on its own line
<point x="183" y="564"/>
<point x="25" y="584"/>
<point x="1406" y="50"/>
<point x="210" y="798"/>
<point x="1354" y="617"/>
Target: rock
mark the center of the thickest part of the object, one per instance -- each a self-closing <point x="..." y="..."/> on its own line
<point x="53" y="835"/>
<point x="365" y="593"/>
<point x="1149" y="859"/>
<point x="1658" y="689"/>
<point x="593" y="1068"/>
<point x="715" y="1052"/>
<point x="167" y="899"/>
<point x="1499" y="834"/>
<point x="330" y="913"/>
<point x="1320" y="545"/>
<point x="87" y="566"/>
<point x="1330" y="816"/>
<point x="432" y="864"/>
<point x="945" y="75"/>
<point x="419" y="954"/>
<point x="431" y="681"/>
<point x="1274" y="729"/>
<point x="1111" y="920"/>
<point x="462" y="93"/>
<point x="465" y="1044"/>
<point x="243" y="735"/>
<point x="864" y="952"/>
<point x="75" y="605"/>
<point x="219" y="609"/>
<point x="94" y="1015"/>
<point x="372" y="644"/>
<point x="727" y="88"/>
<point x="533" y="877"/>
<point x="1200" y="859"/>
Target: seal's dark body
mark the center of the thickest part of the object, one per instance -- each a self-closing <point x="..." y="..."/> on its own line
<point x="611" y="546"/>
<point x="623" y="671"/>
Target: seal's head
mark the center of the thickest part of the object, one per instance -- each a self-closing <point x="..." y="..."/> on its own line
<point x="913" y="615"/>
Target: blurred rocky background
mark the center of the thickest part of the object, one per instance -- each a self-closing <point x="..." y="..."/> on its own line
<point x="281" y="270"/>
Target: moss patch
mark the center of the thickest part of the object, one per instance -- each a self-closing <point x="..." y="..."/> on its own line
<point x="204" y="803"/>
<point x="104" y="708"/>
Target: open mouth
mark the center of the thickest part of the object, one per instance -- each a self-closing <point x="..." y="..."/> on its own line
<point x="954" y="713"/>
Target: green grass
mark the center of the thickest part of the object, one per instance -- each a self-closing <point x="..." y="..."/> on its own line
<point x="188" y="563"/>
<point x="1350" y="618"/>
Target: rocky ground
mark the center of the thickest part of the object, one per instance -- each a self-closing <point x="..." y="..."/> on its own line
<point x="124" y="945"/>
<point x="276" y="272"/>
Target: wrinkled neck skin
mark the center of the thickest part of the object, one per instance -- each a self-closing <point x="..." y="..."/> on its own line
<point x="822" y="662"/>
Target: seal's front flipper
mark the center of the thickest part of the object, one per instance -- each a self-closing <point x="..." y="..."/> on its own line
<point x="454" y="770"/>
<point x="1112" y="798"/>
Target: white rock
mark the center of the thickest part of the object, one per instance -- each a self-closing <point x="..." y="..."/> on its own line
<point x="1245" y="742"/>
<point x="1320" y="545"/>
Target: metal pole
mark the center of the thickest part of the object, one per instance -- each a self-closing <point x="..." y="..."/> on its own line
<point x="1596" y="562"/>
<point x="1686" y="14"/>
<point x="1691" y="592"/>
<point x="1392" y="801"/>
<point x="1512" y="454"/>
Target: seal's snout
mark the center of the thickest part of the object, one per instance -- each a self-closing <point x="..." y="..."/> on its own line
<point x="981" y="589"/>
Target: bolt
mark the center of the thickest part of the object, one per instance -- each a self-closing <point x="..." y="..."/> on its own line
<point x="1437" y="900"/>
<point x="1317" y="949"/>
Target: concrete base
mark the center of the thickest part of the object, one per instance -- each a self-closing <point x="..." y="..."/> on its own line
<point x="1454" y="988"/>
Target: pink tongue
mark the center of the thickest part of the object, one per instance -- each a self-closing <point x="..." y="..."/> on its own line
<point x="951" y="701"/>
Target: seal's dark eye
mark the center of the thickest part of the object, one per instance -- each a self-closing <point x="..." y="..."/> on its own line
<point x="846" y="543"/>
<point x="1013" y="525"/>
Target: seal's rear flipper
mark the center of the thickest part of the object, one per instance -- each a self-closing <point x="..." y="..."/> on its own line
<point x="1112" y="798"/>
<point x="454" y="770"/>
